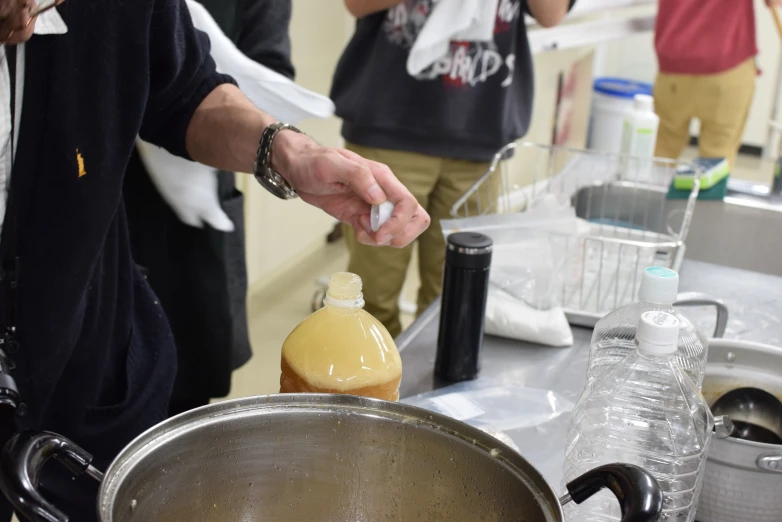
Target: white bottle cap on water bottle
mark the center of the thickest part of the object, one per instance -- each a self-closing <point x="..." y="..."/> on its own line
<point x="659" y="286"/>
<point x="380" y="214"/>
<point x="658" y="333"/>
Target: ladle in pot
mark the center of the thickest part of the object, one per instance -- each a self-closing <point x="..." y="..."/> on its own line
<point x="756" y="414"/>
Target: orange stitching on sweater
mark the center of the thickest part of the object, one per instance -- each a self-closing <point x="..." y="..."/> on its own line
<point x="80" y="161"/>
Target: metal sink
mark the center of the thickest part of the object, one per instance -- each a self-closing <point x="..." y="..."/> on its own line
<point x="743" y="231"/>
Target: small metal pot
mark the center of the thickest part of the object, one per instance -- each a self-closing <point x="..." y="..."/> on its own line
<point x="743" y="479"/>
<point x="324" y="458"/>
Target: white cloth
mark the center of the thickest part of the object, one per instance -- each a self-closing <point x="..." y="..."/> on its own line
<point x="271" y="91"/>
<point x="49" y="22"/>
<point x="451" y="20"/>
<point x="191" y="188"/>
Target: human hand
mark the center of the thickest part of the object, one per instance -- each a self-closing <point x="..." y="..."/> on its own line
<point x="774" y="3"/>
<point x="18" y="17"/>
<point x="345" y="186"/>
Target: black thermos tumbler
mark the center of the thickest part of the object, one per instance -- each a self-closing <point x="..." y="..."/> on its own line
<point x="465" y="288"/>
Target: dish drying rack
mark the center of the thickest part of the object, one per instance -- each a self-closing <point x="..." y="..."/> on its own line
<point x="632" y="223"/>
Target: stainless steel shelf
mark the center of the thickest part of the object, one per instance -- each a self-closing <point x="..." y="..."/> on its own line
<point x="582" y="34"/>
<point x="592" y="22"/>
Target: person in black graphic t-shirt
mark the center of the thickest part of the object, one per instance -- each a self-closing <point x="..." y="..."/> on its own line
<point x="438" y="130"/>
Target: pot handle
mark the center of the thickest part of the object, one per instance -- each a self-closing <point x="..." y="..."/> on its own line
<point x="639" y="494"/>
<point x="701" y="299"/>
<point x="24" y="456"/>
<point x="770" y="462"/>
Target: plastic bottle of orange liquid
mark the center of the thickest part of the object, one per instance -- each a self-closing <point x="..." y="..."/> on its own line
<point x="341" y="348"/>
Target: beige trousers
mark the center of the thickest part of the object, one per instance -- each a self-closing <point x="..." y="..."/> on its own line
<point x="720" y="101"/>
<point x="437" y="183"/>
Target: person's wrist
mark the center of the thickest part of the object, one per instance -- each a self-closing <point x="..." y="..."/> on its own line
<point x="287" y="145"/>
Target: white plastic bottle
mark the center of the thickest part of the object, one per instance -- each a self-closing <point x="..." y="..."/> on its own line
<point x="645" y="411"/>
<point x="639" y="136"/>
<point x="614" y="336"/>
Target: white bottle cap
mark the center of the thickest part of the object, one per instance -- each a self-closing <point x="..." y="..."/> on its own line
<point x="659" y="286"/>
<point x="643" y="103"/>
<point x="658" y="333"/>
<point x="380" y="214"/>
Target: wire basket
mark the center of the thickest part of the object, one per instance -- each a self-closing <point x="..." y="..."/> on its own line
<point x="633" y="223"/>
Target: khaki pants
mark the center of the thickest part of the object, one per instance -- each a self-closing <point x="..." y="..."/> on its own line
<point x="720" y="101"/>
<point x="437" y="183"/>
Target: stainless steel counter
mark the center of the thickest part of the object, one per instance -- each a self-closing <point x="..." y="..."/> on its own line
<point x="754" y="301"/>
<point x="742" y="232"/>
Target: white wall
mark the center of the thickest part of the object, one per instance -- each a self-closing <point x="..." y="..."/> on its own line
<point x="766" y="86"/>
<point x="634" y="58"/>
<point x="280" y="233"/>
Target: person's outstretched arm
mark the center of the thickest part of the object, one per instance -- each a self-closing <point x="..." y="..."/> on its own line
<point x="549" y="13"/>
<point x="196" y="113"/>
<point x="361" y="8"/>
<point x="225" y="131"/>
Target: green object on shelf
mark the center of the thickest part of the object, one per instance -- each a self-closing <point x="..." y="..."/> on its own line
<point x="713" y="170"/>
<point x="717" y="192"/>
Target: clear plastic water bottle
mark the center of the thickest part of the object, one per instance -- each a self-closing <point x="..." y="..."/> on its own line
<point x="614" y="335"/>
<point x="644" y="411"/>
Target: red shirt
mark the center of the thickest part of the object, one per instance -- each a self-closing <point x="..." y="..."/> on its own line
<point x="704" y="36"/>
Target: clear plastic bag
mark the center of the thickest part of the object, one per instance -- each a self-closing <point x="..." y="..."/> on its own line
<point x="530" y="420"/>
<point x="535" y="253"/>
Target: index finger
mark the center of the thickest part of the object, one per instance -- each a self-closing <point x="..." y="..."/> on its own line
<point x="405" y="204"/>
<point x="393" y="189"/>
<point x="361" y="178"/>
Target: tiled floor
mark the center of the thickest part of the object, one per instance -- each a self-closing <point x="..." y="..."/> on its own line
<point x="754" y="168"/>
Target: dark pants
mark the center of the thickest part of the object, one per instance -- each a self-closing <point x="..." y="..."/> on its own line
<point x="201" y="280"/>
<point x="145" y="371"/>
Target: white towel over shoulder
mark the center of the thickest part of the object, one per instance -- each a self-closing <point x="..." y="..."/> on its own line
<point x="271" y="91"/>
<point x="451" y="20"/>
<point x="191" y="188"/>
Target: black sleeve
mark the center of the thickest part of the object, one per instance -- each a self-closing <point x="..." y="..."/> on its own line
<point x="182" y="74"/>
<point x="264" y="37"/>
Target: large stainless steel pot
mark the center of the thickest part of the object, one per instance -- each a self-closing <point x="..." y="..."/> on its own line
<point x="322" y="458"/>
<point x="743" y="479"/>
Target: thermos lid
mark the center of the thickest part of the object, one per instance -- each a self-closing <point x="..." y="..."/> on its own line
<point x="469" y="250"/>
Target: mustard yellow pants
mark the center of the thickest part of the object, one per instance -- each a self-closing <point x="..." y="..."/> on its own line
<point x="720" y="101"/>
<point x="437" y="183"/>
